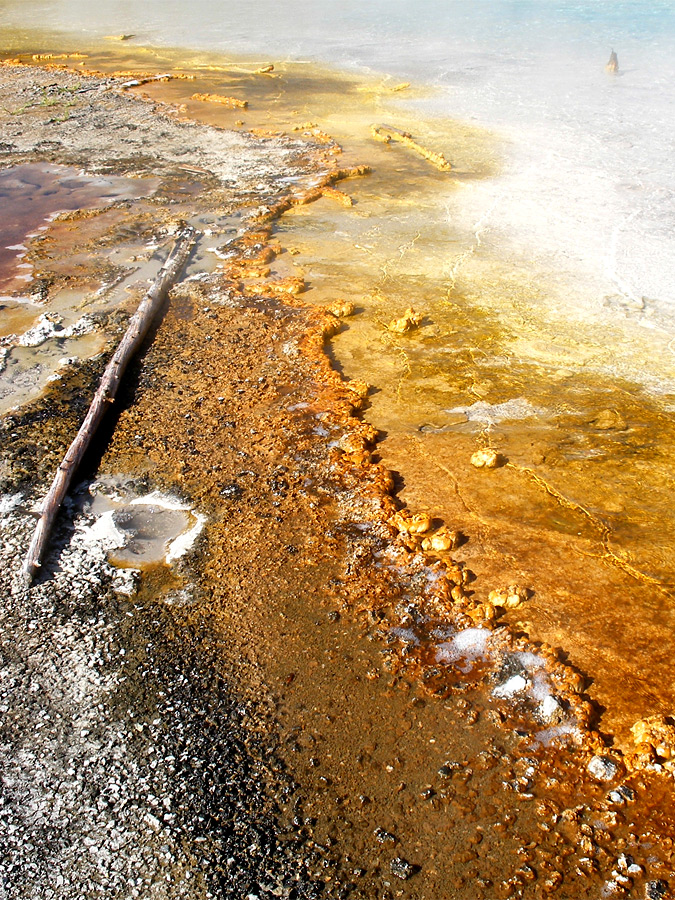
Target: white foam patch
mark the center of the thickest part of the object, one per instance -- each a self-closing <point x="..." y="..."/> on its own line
<point x="185" y="541"/>
<point x="407" y="635"/>
<point x="541" y="687"/>
<point x="530" y="661"/>
<point x="548" y="735"/>
<point x="515" y="685"/>
<point x="468" y="645"/>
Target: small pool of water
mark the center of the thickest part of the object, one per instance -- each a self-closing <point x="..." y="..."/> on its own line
<point x="138" y="529"/>
<point x="33" y="194"/>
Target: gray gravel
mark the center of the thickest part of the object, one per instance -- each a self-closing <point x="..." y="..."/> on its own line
<point x="128" y="768"/>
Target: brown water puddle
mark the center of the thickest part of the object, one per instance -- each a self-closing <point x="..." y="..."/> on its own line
<point x="33" y="194"/>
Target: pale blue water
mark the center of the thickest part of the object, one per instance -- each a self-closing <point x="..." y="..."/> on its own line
<point x="588" y="189"/>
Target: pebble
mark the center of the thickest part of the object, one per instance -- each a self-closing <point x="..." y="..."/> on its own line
<point x="385" y="837"/>
<point x="602" y="768"/>
<point x="656" y="890"/>
<point x="487" y="458"/>
<point x="401" y="868"/>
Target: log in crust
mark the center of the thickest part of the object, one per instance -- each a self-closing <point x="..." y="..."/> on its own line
<point x="136" y="331"/>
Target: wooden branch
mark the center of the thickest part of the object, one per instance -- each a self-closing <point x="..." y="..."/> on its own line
<point x="385" y="134"/>
<point x="136" y="331"/>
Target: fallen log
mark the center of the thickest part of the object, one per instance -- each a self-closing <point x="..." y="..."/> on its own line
<point x="386" y="134"/>
<point x="136" y="331"/>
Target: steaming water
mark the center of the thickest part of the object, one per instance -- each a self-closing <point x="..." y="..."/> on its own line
<point x="587" y="195"/>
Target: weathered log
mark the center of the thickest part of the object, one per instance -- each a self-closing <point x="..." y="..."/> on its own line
<point x="385" y="134"/>
<point x="136" y="331"/>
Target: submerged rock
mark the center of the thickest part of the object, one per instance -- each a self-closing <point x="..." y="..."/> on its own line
<point x="487" y="458"/>
<point x="658" y="733"/>
<point x="510" y="597"/>
<point x="409" y="320"/>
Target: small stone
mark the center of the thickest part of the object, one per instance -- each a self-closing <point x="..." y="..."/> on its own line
<point x="509" y="597"/>
<point x="602" y="768"/>
<point x="487" y="458"/>
<point x="656" y="890"/>
<point x="550" y="710"/>
<point x="409" y="320"/>
<point x="384" y="837"/>
<point x="401" y="868"/>
<point x="231" y="491"/>
<point x="442" y="540"/>
<point x="627" y="793"/>
<point x="342" y="308"/>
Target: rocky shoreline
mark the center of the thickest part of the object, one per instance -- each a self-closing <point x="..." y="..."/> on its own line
<point x="130" y="768"/>
<point x="261" y="720"/>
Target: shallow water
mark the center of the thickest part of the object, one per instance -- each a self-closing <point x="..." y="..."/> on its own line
<point x="586" y="196"/>
<point x="137" y="528"/>
<point x="32" y="195"/>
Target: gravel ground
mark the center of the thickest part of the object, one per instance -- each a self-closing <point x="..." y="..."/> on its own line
<point x="83" y="121"/>
<point x="129" y="769"/>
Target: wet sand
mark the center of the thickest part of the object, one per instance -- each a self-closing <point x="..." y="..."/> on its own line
<point x="302" y="631"/>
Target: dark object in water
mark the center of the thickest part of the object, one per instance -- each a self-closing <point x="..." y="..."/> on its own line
<point x="613" y="64"/>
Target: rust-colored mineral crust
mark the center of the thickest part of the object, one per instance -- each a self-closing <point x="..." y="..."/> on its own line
<point x="231" y="102"/>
